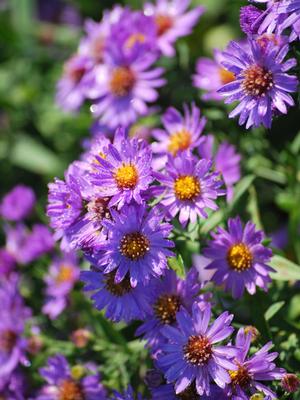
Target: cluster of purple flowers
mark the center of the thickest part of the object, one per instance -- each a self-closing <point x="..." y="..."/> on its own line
<point x="114" y="67"/>
<point x="255" y="71"/>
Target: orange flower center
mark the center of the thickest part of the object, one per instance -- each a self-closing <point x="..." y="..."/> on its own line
<point x="240" y="377"/>
<point x="134" y="245"/>
<point x="187" y="187"/>
<point x="163" y="23"/>
<point x="179" y="141"/>
<point x="70" y="390"/>
<point x="239" y="257"/>
<point x="226" y="76"/>
<point x="65" y="274"/>
<point x="198" y="350"/>
<point x="257" y="81"/>
<point x="134" y="39"/>
<point x="117" y="289"/>
<point x="166" y="308"/>
<point x="122" y="81"/>
<point x="126" y="176"/>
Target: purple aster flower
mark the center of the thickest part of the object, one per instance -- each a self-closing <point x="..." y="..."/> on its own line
<point x="127" y="395"/>
<point x="192" y="354"/>
<point x="189" y="187"/>
<point x="125" y="173"/>
<point x="211" y="76"/>
<point x="226" y="159"/>
<point x="120" y="300"/>
<point x="137" y="245"/>
<point x="172" y="21"/>
<point x="238" y="258"/>
<point x="168" y="295"/>
<point x="167" y="392"/>
<point x="262" y="85"/>
<point x="121" y="87"/>
<point x="18" y="203"/>
<point x="64" y="382"/>
<point x="25" y="245"/>
<point x="248" y="17"/>
<point x="251" y="370"/>
<point x="71" y="87"/>
<point x="181" y="132"/>
<point x="14" y="315"/>
<point x="13" y="386"/>
<point x="61" y="278"/>
<point x="7" y="262"/>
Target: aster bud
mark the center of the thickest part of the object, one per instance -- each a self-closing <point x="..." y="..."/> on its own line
<point x="290" y="383"/>
<point x="248" y="16"/>
<point x="80" y="337"/>
<point x="257" y="396"/>
<point x="34" y="344"/>
<point x="77" y="372"/>
<point x="253" y="331"/>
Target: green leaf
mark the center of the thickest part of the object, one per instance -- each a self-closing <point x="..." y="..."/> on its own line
<point x="177" y="265"/>
<point x="241" y="188"/>
<point x="213" y="220"/>
<point x="285" y="269"/>
<point x="273" y="309"/>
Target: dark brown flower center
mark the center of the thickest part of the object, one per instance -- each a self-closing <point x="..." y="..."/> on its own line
<point x="163" y="23"/>
<point x="166" y="308"/>
<point x="239" y="257"/>
<point x="134" y="245"/>
<point x="117" y="289"/>
<point x="99" y="208"/>
<point x="70" y="390"/>
<point x="122" y="81"/>
<point x="198" y="350"/>
<point x="240" y="377"/>
<point x="8" y="340"/>
<point x="257" y="81"/>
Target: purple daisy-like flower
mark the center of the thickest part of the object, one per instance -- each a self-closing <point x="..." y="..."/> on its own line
<point x="262" y="85"/>
<point x="14" y="315"/>
<point x="120" y="300"/>
<point x="137" y="245"/>
<point x="127" y="395"/>
<point x="64" y="383"/>
<point x="251" y="370"/>
<point x="211" y="76"/>
<point x="226" y="159"/>
<point x="7" y="262"/>
<point x="61" y="278"/>
<point x="125" y="173"/>
<point x="239" y="259"/>
<point x="192" y="354"/>
<point x="189" y="187"/>
<point x="168" y="295"/>
<point x="121" y="87"/>
<point x="248" y="17"/>
<point x="167" y="392"/>
<point x="13" y="387"/>
<point x="71" y="87"/>
<point x="172" y="21"/>
<point x="18" y="203"/>
<point x="180" y="133"/>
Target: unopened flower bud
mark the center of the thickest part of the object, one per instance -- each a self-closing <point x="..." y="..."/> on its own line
<point x="290" y="383"/>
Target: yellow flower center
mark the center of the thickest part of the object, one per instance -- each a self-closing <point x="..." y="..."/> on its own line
<point x="134" y="39"/>
<point x="163" y="23"/>
<point x="65" y="274"/>
<point x="179" y="141"/>
<point x="239" y="257"/>
<point x="187" y="187"/>
<point x="134" y="245"/>
<point x="166" y="308"/>
<point x="198" y="350"/>
<point x="117" y="289"/>
<point x="240" y="377"/>
<point x="122" y="81"/>
<point x="70" y="390"/>
<point x="257" y="81"/>
<point x="226" y="76"/>
<point x="126" y="176"/>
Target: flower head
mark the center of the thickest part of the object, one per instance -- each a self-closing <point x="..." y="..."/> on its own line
<point x="137" y="245"/>
<point x="64" y="384"/>
<point x="251" y="370"/>
<point x="172" y="21"/>
<point x="182" y="132"/>
<point x="189" y="187"/>
<point x="238" y="258"/>
<point x="248" y="17"/>
<point x="262" y="85"/>
<point x="192" y="354"/>
<point x="18" y="203"/>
